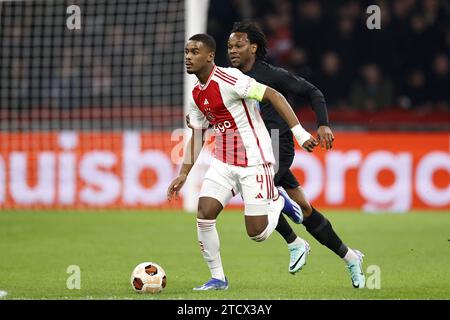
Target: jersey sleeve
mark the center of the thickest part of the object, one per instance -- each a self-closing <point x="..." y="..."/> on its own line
<point x="248" y="88"/>
<point x="196" y="117"/>
<point x="299" y="86"/>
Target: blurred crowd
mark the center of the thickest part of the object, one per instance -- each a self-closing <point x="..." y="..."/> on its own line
<point x="126" y="54"/>
<point x="134" y="57"/>
<point x="404" y="64"/>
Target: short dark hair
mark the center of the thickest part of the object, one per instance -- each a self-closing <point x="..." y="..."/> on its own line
<point x="206" y="39"/>
<point x="255" y="35"/>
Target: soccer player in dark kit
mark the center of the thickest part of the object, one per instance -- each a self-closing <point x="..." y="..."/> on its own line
<point x="247" y="51"/>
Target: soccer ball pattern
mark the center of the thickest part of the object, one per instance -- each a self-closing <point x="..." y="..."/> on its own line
<point x="148" y="277"/>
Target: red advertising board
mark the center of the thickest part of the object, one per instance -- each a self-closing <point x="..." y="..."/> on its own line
<point x="369" y="171"/>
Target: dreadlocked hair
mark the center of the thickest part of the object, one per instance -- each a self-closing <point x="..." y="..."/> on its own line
<point x="255" y="36"/>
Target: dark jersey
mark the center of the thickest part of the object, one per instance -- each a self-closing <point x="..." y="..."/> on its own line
<point x="287" y="84"/>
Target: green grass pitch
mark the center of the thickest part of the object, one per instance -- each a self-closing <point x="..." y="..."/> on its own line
<point x="411" y="250"/>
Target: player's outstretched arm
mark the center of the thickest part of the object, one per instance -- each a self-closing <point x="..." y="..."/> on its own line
<point x="299" y="86"/>
<point x="192" y="151"/>
<point x="279" y="102"/>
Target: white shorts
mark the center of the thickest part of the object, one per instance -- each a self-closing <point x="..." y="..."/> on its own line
<point x="255" y="183"/>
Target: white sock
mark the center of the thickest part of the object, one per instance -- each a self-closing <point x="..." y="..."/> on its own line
<point x="208" y="239"/>
<point x="350" y="256"/>
<point x="298" y="241"/>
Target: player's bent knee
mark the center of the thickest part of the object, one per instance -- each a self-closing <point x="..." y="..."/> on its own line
<point x="261" y="236"/>
<point x="255" y="225"/>
<point x="298" y="195"/>
<point x="254" y="232"/>
<point x="202" y="212"/>
<point x="208" y="208"/>
<point x="304" y="205"/>
<point x="306" y="208"/>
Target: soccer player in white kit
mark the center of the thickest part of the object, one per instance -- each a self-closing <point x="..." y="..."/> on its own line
<point x="243" y="158"/>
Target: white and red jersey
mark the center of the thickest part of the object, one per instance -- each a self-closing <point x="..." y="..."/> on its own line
<point x="227" y="101"/>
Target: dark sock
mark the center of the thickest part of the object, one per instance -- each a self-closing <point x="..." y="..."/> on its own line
<point x="320" y="228"/>
<point x="285" y="229"/>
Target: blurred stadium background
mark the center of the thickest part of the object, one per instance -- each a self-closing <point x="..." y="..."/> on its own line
<point x="87" y="114"/>
<point x="90" y="117"/>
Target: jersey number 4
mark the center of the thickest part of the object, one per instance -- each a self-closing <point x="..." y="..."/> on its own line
<point x="260" y="180"/>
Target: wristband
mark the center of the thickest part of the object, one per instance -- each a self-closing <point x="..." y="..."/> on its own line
<point x="300" y="134"/>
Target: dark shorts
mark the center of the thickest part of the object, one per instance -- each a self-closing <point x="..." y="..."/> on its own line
<point x="284" y="176"/>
